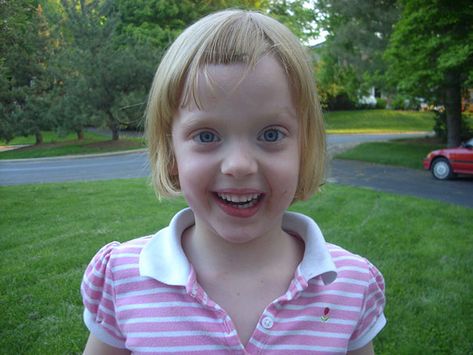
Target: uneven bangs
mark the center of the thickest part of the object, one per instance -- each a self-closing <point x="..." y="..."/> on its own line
<point x="231" y="37"/>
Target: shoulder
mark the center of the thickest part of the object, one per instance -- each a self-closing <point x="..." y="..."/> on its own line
<point x="102" y="270"/>
<point x="358" y="277"/>
<point x="112" y="265"/>
<point x="353" y="266"/>
<point x="115" y="252"/>
<point x="363" y="284"/>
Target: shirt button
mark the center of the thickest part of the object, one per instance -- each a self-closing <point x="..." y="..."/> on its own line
<point x="267" y="322"/>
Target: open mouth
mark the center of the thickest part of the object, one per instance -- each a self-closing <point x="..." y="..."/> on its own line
<point x="240" y="201"/>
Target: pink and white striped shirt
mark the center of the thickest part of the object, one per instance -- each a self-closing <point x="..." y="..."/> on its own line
<point x="142" y="295"/>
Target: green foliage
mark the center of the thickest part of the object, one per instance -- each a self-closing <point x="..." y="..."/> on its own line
<point x="442" y="42"/>
<point x="103" y="73"/>
<point x="440" y="126"/>
<point x="156" y="21"/>
<point x="352" y="55"/>
<point x="159" y="22"/>
<point x="25" y="48"/>
<point x="400" y="102"/>
<point x="300" y="16"/>
<point x="380" y="103"/>
<point x="431" y="55"/>
<point x="337" y="85"/>
<point x="69" y="64"/>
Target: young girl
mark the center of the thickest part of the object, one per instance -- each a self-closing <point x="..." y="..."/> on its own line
<point x="234" y="125"/>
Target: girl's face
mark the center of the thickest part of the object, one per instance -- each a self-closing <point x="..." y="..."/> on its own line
<point x="238" y="156"/>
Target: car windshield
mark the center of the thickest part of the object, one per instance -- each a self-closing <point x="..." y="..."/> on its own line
<point x="469" y="144"/>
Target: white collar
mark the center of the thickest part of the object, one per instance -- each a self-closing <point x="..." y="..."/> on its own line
<point x="163" y="258"/>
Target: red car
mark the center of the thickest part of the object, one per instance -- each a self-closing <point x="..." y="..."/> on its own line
<point x="445" y="163"/>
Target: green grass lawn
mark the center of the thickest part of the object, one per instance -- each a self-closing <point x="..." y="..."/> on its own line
<point x="408" y="153"/>
<point x="55" y="145"/>
<point x="378" y="121"/>
<point x="53" y="137"/>
<point x="51" y="231"/>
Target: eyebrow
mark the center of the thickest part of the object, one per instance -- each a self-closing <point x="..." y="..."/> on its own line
<point x="194" y="120"/>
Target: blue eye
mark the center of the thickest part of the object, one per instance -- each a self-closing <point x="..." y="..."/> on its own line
<point x="271" y="135"/>
<point x="206" y="137"/>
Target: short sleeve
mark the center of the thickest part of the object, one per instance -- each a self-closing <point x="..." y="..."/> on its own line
<point x="98" y="296"/>
<point x="372" y="319"/>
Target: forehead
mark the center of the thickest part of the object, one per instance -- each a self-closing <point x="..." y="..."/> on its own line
<point x="216" y="81"/>
<point x="232" y="96"/>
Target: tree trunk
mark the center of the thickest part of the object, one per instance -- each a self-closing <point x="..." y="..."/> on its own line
<point x="453" y="108"/>
<point x="80" y="134"/>
<point x="115" y="133"/>
<point x="114" y="126"/>
<point x="39" y="137"/>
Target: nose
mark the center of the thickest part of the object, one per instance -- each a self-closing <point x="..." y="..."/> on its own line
<point x="239" y="161"/>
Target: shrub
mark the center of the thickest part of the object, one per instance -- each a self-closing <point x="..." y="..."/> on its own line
<point x="381" y="103"/>
<point x="340" y="102"/>
<point x="440" y="127"/>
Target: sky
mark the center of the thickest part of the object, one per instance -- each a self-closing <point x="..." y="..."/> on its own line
<point x="319" y="39"/>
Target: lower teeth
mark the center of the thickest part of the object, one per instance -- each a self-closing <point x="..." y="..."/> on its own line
<point x="241" y="206"/>
<point x="246" y="205"/>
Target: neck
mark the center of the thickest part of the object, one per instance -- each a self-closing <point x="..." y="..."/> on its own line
<point x="210" y="253"/>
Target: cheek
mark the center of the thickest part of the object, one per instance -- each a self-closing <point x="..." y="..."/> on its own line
<point x="283" y="175"/>
<point x="194" y="173"/>
<point x="289" y="174"/>
<point x="288" y="164"/>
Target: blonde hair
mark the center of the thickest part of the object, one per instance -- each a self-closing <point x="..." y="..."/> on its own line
<point x="227" y="37"/>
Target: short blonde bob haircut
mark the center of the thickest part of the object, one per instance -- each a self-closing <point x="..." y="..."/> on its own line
<point x="230" y="37"/>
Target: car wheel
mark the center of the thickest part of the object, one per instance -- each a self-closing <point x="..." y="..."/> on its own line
<point x="441" y="169"/>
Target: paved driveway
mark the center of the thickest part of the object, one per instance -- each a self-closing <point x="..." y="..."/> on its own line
<point x="402" y="181"/>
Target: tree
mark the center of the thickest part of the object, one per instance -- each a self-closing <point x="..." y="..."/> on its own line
<point x="25" y="50"/>
<point x="431" y="55"/>
<point x="300" y="16"/>
<point x="161" y="21"/>
<point x="357" y="35"/>
<point x="101" y="68"/>
<point x="110" y="51"/>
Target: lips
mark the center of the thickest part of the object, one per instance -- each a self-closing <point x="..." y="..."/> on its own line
<point x="241" y="205"/>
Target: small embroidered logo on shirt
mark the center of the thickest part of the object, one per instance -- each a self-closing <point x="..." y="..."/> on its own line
<point x="326" y="316"/>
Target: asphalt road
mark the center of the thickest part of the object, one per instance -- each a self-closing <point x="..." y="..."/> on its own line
<point x="129" y="165"/>
<point x="111" y="166"/>
<point x="402" y="181"/>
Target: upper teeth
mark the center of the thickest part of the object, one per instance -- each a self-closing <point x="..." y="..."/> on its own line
<point x="238" y="198"/>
